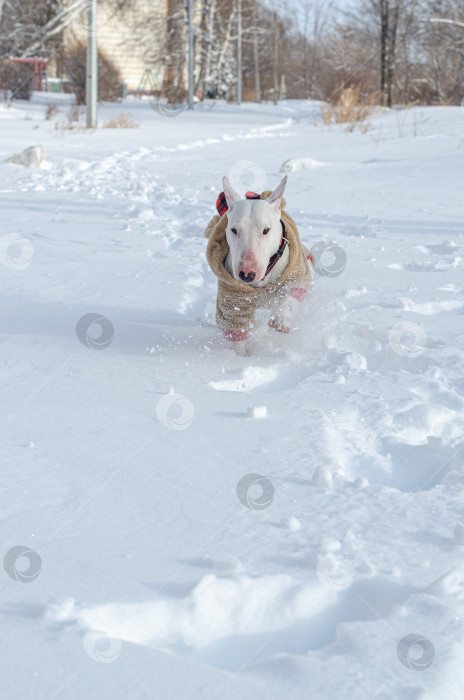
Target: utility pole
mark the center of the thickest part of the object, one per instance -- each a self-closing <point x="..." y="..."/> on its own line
<point x="239" y="52"/>
<point x="256" y="57"/>
<point x="91" y="85"/>
<point x="190" y="55"/>
<point x="276" y="59"/>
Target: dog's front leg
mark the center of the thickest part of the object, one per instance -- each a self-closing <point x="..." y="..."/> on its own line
<point x="281" y="320"/>
<point x="237" y="340"/>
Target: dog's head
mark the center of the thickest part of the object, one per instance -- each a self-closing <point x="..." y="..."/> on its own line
<point x="253" y="231"/>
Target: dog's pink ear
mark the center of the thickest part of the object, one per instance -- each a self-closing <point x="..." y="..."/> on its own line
<point x="275" y="198"/>
<point x="231" y="195"/>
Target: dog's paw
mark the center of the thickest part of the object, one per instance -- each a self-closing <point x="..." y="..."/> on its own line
<point x="238" y="341"/>
<point x="241" y="348"/>
<point x="278" y="324"/>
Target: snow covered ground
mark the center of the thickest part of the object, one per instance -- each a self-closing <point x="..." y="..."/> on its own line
<point x="141" y="559"/>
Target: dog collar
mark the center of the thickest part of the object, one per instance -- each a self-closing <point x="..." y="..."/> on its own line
<point x="278" y="254"/>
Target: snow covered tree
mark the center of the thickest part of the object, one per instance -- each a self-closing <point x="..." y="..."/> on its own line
<point x="35" y="27"/>
<point x="26" y="24"/>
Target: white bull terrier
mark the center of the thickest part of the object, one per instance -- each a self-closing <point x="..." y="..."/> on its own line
<point x="260" y="261"/>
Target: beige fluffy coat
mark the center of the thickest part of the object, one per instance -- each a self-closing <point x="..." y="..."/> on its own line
<point x="237" y="301"/>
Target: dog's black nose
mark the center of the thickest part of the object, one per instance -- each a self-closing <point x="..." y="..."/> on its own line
<point x="248" y="278"/>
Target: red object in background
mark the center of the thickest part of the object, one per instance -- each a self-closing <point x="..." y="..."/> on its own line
<point x="40" y="70"/>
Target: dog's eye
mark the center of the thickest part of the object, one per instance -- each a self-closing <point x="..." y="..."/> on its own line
<point x="234" y="231"/>
<point x="266" y="230"/>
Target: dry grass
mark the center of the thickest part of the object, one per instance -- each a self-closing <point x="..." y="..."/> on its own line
<point x="348" y="108"/>
<point x="75" y="114"/>
<point x="74" y="121"/>
<point x="51" y="110"/>
<point x="123" y="120"/>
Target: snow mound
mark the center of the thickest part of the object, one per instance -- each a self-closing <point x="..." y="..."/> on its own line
<point x="214" y="609"/>
<point x="449" y="585"/>
<point x="300" y="164"/>
<point x="31" y="157"/>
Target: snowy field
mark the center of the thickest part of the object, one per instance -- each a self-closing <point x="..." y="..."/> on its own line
<point x="141" y="560"/>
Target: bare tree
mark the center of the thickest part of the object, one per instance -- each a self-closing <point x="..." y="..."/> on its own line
<point x="386" y="16"/>
<point x="442" y="50"/>
<point x="393" y="50"/>
<point x="315" y="15"/>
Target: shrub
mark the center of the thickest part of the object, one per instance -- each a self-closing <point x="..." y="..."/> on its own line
<point x="51" y="110"/>
<point x="123" y="120"/>
<point x="16" y="80"/>
<point x="347" y="107"/>
<point x="109" y="78"/>
<point x="73" y="120"/>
